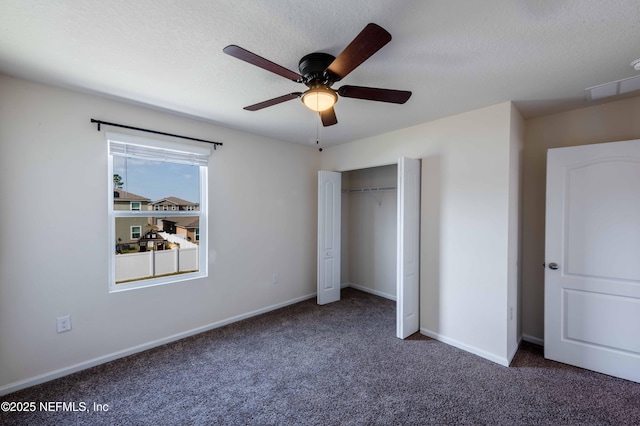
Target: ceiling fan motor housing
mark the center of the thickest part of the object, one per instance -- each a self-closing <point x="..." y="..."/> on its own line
<point x="312" y="68"/>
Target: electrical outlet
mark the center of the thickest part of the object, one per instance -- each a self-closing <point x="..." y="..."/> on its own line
<point x="64" y="323"/>
<point x="276" y="278"/>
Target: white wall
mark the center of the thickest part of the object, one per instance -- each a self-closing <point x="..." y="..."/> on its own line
<point x="609" y="122"/>
<point x="370" y="231"/>
<point x="50" y="152"/>
<point x="465" y="211"/>
<point x="514" y="333"/>
<point x="53" y="184"/>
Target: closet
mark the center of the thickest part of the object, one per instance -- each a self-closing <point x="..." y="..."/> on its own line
<point x="369" y="213"/>
<point x="369" y="236"/>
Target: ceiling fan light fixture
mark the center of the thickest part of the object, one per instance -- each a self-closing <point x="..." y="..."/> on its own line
<point x="319" y="98"/>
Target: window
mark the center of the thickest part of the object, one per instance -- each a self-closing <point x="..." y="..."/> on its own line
<point x="136" y="232"/>
<point x="147" y="252"/>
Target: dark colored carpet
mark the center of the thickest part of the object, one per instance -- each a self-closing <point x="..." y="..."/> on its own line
<point x="336" y="364"/>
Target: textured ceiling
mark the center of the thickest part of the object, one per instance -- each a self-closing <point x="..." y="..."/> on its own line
<point x="454" y="55"/>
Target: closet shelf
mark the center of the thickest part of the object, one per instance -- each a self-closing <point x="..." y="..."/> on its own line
<point x="372" y="189"/>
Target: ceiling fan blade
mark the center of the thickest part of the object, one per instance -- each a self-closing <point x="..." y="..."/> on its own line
<point x="244" y="55"/>
<point x="375" y="94"/>
<point x="274" y="101"/>
<point x="369" y="41"/>
<point x="328" y="117"/>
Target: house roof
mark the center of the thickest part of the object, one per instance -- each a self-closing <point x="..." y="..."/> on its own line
<point x="127" y="196"/>
<point x="184" y="222"/>
<point x="174" y="200"/>
<point x="151" y="235"/>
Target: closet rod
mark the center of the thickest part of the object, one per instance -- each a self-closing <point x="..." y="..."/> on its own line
<point x="215" y="144"/>
<point x="375" y="188"/>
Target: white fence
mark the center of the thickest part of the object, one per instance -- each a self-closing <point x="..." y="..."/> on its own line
<point x="154" y="263"/>
<point x="174" y="238"/>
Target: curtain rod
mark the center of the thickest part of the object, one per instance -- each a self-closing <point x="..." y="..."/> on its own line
<point x="106" y="123"/>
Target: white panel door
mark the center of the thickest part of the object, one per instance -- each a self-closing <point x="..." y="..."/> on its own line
<point x="408" y="263"/>
<point x="329" y="207"/>
<point x="592" y="275"/>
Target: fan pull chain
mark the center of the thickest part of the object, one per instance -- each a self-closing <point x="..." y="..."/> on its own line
<point x="318" y="135"/>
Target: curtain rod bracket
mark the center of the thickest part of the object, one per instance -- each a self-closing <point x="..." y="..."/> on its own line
<point x="99" y="122"/>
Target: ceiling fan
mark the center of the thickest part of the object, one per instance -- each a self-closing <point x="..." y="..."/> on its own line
<point x="319" y="71"/>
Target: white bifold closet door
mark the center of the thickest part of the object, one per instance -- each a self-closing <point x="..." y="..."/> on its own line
<point x="329" y="211"/>
<point x="408" y="264"/>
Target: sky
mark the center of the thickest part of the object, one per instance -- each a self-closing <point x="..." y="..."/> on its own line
<point x="158" y="179"/>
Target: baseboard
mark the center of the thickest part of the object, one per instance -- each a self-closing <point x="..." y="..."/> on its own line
<point x="532" y="339"/>
<point x="514" y="350"/>
<point x="369" y="290"/>
<point x="52" y="375"/>
<point x="467" y="348"/>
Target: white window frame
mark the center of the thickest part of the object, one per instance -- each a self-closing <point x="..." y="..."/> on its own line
<point x="139" y="206"/>
<point x="134" y="146"/>
<point x="131" y="237"/>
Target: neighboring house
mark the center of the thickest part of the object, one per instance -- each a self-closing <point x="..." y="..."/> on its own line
<point x="152" y="240"/>
<point x="173" y="204"/>
<point x="187" y="227"/>
<point x="123" y="200"/>
<point x="129" y="229"/>
<point x="176" y="241"/>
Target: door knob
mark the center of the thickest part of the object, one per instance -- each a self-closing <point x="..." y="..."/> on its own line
<point x="553" y="266"/>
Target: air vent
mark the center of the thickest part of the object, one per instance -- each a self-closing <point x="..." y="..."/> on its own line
<point x="613" y="89"/>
